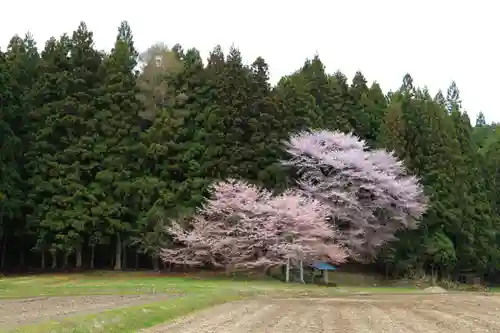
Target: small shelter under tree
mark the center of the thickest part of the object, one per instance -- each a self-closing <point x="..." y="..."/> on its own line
<point x="324" y="268"/>
<point x="295" y="269"/>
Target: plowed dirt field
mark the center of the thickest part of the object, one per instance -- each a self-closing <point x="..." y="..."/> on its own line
<point x="14" y="312"/>
<point x="455" y="313"/>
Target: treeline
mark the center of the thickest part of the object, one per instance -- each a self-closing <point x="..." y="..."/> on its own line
<point x="96" y="158"/>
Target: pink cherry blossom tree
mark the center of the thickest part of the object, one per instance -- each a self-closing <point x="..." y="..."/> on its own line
<point x="370" y="194"/>
<point x="242" y="226"/>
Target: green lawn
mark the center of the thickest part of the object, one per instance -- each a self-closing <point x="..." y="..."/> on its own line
<point x="192" y="294"/>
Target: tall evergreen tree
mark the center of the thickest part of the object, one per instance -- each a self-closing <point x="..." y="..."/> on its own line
<point x="478" y="217"/>
<point x="50" y="142"/>
<point x="369" y="105"/>
<point x="480" y="120"/>
<point x="392" y="130"/>
<point x="9" y="143"/>
<point x="358" y="92"/>
<point x="296" y="105"/>
<point x="114" y="191"/>
<point x="429" y="148"/>
<point x="79" y="160"/>
<point x="439" y="98"/>
<point x="453" y="101"/>
<point x="22" y="60"/>
<point x="267" y="134"/>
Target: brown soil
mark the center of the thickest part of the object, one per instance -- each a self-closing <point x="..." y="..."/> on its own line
<point x="455" y="313"/>
<point x="15" y="312"/>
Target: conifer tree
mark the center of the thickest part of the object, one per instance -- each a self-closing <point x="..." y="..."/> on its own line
<point x="358" y="91"/>
<point x="296" y="105"/>
<point x="453" y="101"/>
<point x="114" y="190"/>
<point x="480" y="222"/>
<point x="480" y="120"/>
<point x="267" y="133"/>
<point x="21" y="59"/>
<point x="9" y="175"/>
<point x="375" y="105"/>
<point x="392" y="131"/>
<point x="348" y="111"/>
<point x="49" y="182"/>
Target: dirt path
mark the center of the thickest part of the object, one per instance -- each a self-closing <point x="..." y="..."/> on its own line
<point x="15" y="312"/>
<point x="388" y="314"/>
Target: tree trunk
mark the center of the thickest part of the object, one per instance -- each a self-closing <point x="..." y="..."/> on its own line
<point x="156" y="266"/>
<point x="137" y="261"/>
<point x="434" y="275"/>
<point x="78" y="253"/>
<point x="3" y="240"/>
<point x="325" y="276"/>
<point x="112" y="257"/>
<point x="53" y="253"/>
<point x="65" y="259"/>
<point x="287" y="271"/>
<point x="124" y="257"/>
<point x="92" y="256"/>
<point x="118" y="253"/>
<point x="4" y="249"/>
<point x="21" y="258"/>
<point x="42" y="253"/>
<point x="301" y="264"/>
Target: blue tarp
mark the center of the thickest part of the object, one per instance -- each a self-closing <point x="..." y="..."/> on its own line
<point x="324" y="266"/>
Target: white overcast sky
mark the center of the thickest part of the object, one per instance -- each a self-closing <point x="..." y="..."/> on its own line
<point x="435" y="41"/>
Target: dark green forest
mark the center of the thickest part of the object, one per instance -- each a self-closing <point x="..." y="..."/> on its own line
<point x="100" y="150"/>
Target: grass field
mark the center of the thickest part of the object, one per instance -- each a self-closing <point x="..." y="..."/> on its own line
<point x="131" y="302"/>
<point x="126" y="302"/>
